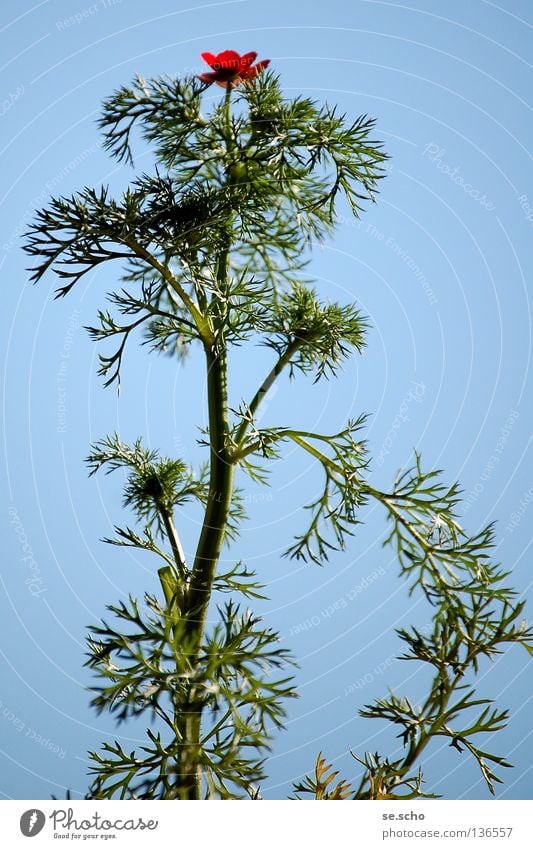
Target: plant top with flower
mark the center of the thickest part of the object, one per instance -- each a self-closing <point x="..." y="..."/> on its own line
<point x="230" y="68"/>
<point x="212" y="246"/>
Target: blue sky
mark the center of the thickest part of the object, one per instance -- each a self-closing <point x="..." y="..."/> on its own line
<point x="441" y="267"/>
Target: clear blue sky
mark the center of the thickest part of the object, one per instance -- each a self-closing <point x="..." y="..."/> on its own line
<point x="441" y="265"/>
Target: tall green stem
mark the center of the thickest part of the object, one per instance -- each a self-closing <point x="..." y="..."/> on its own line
<point x="221" y="467"/>
<point x="220" y="493"/>
<point x="221" y="476"/>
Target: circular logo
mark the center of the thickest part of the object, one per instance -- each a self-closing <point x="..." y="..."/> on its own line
<point x="32" y="822"/>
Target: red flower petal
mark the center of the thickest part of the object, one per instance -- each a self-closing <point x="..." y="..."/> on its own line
<point x="250" y="73"/>
<point x="209" y="77"/>
<point x="230" y="68"/>
<point x="248" y="59"/>
<point x="210" y="58"/>
<point x="228" y="60"/>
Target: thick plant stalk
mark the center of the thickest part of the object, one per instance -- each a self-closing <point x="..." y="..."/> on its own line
<point x="219" y="499"/>
<point x="221" y="478"/>
<point x="207" y="556"/>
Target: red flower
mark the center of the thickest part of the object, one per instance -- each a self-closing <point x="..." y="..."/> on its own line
<point x="230" y="68"/>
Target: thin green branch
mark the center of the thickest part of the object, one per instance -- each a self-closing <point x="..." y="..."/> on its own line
<point x="199" y="319"/>
<point x="175" y="543"/>
<point x="284" y="360"/>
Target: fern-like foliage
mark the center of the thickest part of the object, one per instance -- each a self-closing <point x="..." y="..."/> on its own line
<point x="475" y="615"/>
